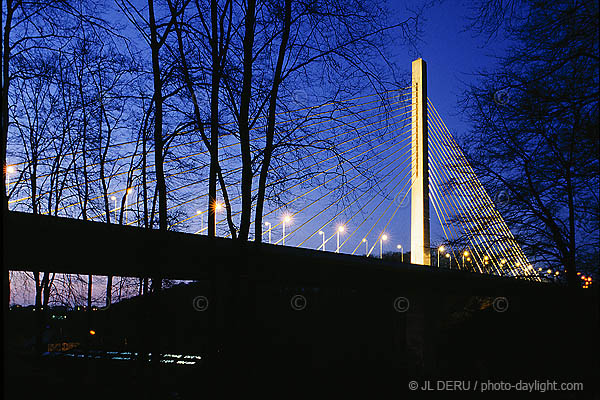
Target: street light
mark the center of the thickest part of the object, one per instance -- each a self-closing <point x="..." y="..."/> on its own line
<point x="439" y="250"/>
<point x="269" y="225"/>
<point x="366" y="242"/>
<point x="340" y="229"/>
<point x="9" y="170"/>
<point x="449" y="260"/>
<point x="383" y="237"/>
<point x="201" y="221"/>
<point x="323" y="234"/>
<point x="286" y="218"/>
<point x="465" y="254"/>
<point x="114" y="198"/>
<point x="129" y="191"/>
<point x="399" y="247"/>
<point x="218" y="207"/>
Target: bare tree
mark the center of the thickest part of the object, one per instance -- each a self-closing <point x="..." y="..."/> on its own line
<point x="536" y="131"/>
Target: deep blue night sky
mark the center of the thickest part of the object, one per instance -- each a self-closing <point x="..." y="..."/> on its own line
<point x="454" y="56"/>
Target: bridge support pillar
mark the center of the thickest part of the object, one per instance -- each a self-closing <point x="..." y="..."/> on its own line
<point x="419" y="222"/>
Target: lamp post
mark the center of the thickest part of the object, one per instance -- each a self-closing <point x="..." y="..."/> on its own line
<point x="399" y="247"/>
<point x="218" y="207"/>
<point x="285" y="219"/>
<point x="269" y="225"/>
<point x="439" y="250"/>
<point x="366" y="242"/>
<point x="323" y="235"/>
<point x="340" y="229"/>
<point x="129" y="191"/>
<point x="201" y="221"/>
<point x="449" y="260"/>
<point x="114" y="198"/>
<point x="9" y="170"/>
<point x="383" y="237"/>
<point x="465" y="254"/>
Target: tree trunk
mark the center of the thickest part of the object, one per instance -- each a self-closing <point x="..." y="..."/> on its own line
<point x="158" y="122"/>
<point x="4" y="103"/>
<point x="262" y="181"/>
<point x="244" y="124"/>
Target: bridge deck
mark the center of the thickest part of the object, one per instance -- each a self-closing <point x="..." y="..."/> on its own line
<point x="46" y="243"/>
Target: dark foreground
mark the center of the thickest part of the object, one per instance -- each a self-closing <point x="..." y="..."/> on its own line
<point x="467" y="352"/>
<point x="287" y="320"/>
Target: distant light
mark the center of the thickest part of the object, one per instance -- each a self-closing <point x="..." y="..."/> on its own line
<point x="129" y="191"/>
<point x="322" y="233"/>
<point x="218" y="206"/>
<point x="549" y="271"/>
<point x="400" y="246"/>
<point x="113" y="198"/>
<point x="341" y="228"/>
<point x="287" y="218"/>
<point x="364" y="240"/>
<point x="384" y="237"/>
<point x="441" y="248"/>
<point x="469" y="259"/>
<point x="447" y="255"/>
<point x="10" y="169"/>
<point x="486" y="258"/>
<point x="503" y="261"/>
<point x="92" y="332"/>
<point x="466" y="253"/>
<point x="198" y="212"/>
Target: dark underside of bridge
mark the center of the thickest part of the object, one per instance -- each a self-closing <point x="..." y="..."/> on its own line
<point x="273" y="312"/>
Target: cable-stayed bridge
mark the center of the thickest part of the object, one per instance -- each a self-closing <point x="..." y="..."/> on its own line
<point x="348" y="176"/>
<point x="351" y="180"/>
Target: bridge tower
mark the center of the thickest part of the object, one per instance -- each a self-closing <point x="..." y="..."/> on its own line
<point x="419" y="216"/>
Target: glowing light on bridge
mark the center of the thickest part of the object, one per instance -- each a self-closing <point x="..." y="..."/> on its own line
<point x="340" y="229"/>
<point x="384" y="237"/>
<point x="287" y="219"/>
<point x="269" y="225"/>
